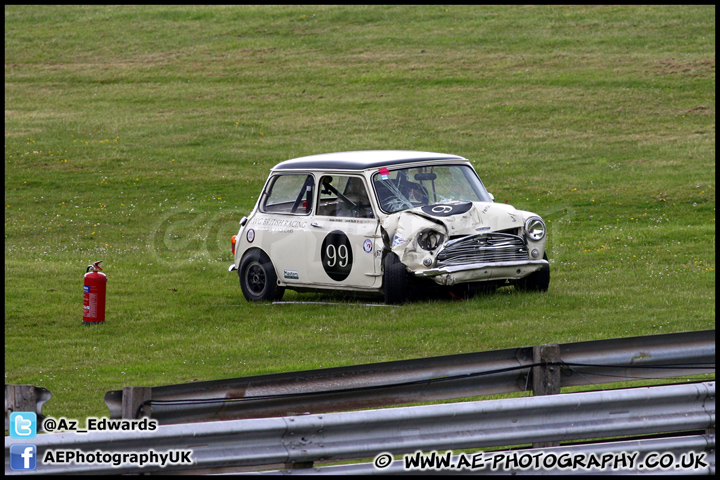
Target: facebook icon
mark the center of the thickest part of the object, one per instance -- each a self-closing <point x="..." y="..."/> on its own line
<point x="23" y="456"/>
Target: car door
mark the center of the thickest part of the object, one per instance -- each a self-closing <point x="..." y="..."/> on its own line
<point x="344" y="235"/>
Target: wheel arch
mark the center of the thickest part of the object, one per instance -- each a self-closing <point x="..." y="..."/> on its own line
<point x="259" y="250"/>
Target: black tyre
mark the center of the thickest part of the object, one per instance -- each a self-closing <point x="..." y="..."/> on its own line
<point x="537" y="281"/>
<point x="395" y="280"/>
<point x="469" y="290"/>
<point x="258" y="280"/>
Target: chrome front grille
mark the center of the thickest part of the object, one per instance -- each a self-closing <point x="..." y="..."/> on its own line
<point x="482" y="248"/>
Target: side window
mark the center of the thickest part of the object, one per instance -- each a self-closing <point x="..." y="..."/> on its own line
<point x="343" y="196"/>
<point x="291" y="194"/>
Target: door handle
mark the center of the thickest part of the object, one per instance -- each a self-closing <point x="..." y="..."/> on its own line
<point x="316" y="225"/>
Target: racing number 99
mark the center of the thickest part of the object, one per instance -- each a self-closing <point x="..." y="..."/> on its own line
<point x="336" y="255"/>
<point x="339" y="256"/>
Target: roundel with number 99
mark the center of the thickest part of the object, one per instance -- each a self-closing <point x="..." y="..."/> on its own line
<point x="336" y="255"/>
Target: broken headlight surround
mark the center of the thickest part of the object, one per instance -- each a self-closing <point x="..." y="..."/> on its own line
<point x="430" y="239"/>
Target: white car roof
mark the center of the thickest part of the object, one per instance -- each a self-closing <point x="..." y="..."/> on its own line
<point x="361" y="160"/>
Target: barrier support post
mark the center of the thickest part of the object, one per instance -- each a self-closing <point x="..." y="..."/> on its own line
<point x="546" y="377"/>
<point x="132" y="399"/>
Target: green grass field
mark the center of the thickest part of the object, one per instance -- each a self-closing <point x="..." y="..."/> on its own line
<point x="140" y="135"/>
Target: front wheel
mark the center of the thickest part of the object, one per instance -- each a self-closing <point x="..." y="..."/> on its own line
<point x="395" y="280"/>
<point x="537" y="281"/>
<point x="258" y="280"/>
<point x="468" y="290"/>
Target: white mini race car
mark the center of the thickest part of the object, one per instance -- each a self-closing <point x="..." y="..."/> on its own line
<point x="385" y="222"/>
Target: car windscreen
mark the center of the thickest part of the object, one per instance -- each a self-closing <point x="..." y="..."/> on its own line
<point x="405" y="188"/>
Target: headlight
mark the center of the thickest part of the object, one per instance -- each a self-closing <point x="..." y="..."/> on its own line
<point x="430" y="239"/>
<point x="535" y="228"/>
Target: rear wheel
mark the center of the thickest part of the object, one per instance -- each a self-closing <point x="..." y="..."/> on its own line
<point x="395" y="280"/>
<point x="258" y="280"/>
<point x="538" y="281"/>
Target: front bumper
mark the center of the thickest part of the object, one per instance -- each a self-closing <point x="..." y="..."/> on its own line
<point x="478" y="272"/>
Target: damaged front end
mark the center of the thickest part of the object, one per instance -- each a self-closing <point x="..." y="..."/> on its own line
<point x="464" y="242"/>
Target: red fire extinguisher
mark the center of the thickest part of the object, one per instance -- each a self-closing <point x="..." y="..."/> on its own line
<point x="94" y="295"/>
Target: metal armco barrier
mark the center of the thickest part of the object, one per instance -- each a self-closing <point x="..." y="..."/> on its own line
<point x="364" y="434"/>
<point x="25" y="398"/>
<point x="419" y="380"/>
